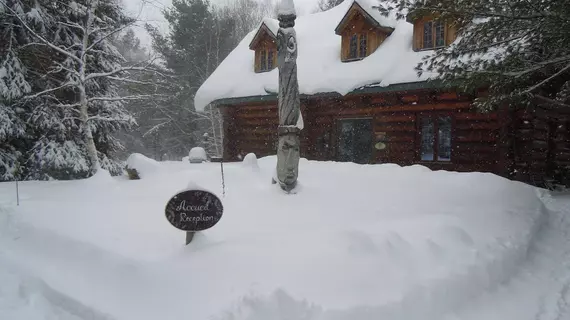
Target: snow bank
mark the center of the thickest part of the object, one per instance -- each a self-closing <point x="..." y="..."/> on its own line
<point x="142" y="164"/>
<point x="197" y="155"/>
<point x="357" y="242"/>
<point x="319" y="66"/>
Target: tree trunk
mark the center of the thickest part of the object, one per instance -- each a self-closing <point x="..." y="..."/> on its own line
<point x="88" y="135"/>
<point x="83" y="111"/>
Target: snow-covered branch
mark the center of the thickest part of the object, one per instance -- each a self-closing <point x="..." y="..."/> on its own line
<point x="41" y="93"/>
<point x="128" y="80"/>
<point x="120" y="70"/>
<point x="72" y="25"/>
<point x="543" y="82"/>
<point x="125" y="98"/>
<point x="42" y="39"/>
<point x="100" y="118"/>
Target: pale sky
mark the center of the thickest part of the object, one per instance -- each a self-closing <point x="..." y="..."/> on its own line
<point x="150" y="11"/>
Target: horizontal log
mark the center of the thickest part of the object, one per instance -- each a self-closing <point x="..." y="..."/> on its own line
<point x="409" y="98"/>
<point x="255" y="108"/>
<point x="401" y="138"/>
<point x="446" y="96"/>
<point x="423" y="107"/>
<point x="240" y="138"/>
<point x="257" y="122"/>
<point x="401" y="157"/>
<point x="476" y="116"/>
<point x="267" y="115"/>
<point x="473" y="137"/>
<point x="488" y="125"/>
<point x="475" y="147"/>
<point x="562" y="156"/>
<point x="323" y="120"/>
<point x="380" y="119"/>
<point x="463" y="156"/>
<point x="395" y="128"/>
<point x="400" y="147"/>
<point x="378" y="110"/>
<point x="269" y="131"/>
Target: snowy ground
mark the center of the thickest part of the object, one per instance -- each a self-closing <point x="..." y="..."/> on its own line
<point x="356" y="242"/>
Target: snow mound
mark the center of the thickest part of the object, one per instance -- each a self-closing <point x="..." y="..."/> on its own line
<point x="144" y="165"/>
<point x="197" y="155"/>
<point x="250" y="161"/>
<point x="101" y="176"/>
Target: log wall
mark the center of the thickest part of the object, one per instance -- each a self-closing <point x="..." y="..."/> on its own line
<point x="541" y="146"/>
<point x="531" y="146"/>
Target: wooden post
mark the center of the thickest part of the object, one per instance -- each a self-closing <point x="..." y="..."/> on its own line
<point x="189" y="236"/>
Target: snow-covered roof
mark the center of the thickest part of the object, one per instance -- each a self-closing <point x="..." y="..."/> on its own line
<point x="373" y="13"/>
<point x="271" y="25"/>
<point x="319" y="65"/>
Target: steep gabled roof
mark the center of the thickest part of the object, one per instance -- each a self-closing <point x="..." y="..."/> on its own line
<point x="371" y="15"/>
<point x="319" y="65"/>
<point x="267" y="26"/>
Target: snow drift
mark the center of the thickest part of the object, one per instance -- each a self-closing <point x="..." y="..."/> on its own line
<point x="357" y="242"/>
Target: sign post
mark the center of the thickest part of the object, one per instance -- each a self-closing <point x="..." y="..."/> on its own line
<point x="193" y="210"/>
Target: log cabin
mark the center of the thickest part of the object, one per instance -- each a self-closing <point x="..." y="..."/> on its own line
<point x="362" y="101"/>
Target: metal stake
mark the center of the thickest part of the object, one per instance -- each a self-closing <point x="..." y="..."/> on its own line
<point x="223" y="181"/>
<point x="189" y="236"/>
<point x="17" y="193"/>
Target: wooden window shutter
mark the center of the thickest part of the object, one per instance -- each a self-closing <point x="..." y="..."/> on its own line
<point x="275" y="59"/>
<point x="418" y="34"/>
<point x="344" y="48"/>
<point x="451" y="33"/>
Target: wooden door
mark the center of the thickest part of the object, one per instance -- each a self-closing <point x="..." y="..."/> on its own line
<point x="354" y="140"/>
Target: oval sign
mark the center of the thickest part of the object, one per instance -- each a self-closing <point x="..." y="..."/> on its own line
<point x="380" y="146"/>
<point x="194" y="210"/>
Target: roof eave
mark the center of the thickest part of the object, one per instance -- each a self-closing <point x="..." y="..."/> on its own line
<point x="419" y="85"/>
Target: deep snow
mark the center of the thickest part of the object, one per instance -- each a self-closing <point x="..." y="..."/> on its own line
<point x="356" y="242"/>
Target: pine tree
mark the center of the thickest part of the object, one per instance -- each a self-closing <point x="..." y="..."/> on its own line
<point x="74" y="106"/>
<point x="518" y="49"/>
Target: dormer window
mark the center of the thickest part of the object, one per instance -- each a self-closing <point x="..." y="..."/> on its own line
<point x="358" y="46"/>
<point x="362" y="45"/>
<point x="434" y="34"/>
<point x="361" y="33"/>
<point x="430" y="33"/>
<point x="265" y="48"/>
<point x="266" y="57"/>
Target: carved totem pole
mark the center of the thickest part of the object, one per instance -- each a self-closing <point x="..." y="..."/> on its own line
<point x="290" y="121"/>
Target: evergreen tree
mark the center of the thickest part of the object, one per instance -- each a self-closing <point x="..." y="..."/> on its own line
<point x="73" y="105"/>
<point x="518" y="49"/>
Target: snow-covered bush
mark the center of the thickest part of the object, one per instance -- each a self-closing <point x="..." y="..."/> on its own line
<point x="197" y="155"/>
<point x="138" y="166"/>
